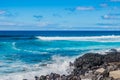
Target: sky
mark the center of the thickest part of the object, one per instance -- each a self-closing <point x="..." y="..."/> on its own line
<point x="59" y="14"/>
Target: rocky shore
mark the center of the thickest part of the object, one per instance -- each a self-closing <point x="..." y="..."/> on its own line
<point x="91" y="66"/>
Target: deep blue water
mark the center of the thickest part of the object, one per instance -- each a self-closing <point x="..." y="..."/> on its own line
<point x="59" y="33"/>
<point x="25" y="53"/>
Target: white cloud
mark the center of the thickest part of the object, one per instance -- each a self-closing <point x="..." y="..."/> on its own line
<point x="106" y="17"/>
<point x="50" y="25"/>
<point x="43" y="24"/>
<point x="84" y="8"/>
<point x="111" y="17"/>
<point x="104" y="5"/>
<point x="80" y="8"/>
<point x="7" y="24"/>
<point x="6" y="13"/>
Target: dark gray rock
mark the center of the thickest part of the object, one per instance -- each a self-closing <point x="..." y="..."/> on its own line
<point x="112" y="51"/>
<point x="88" y="64"/>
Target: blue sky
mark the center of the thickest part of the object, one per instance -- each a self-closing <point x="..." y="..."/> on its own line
<point x="59" y="14"/>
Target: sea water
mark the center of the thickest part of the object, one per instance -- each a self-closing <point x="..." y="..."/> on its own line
<point x="25" y="54"/>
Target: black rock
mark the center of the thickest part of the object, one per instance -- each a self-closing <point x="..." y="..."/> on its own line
<point x="113" y="51"/>
<point x="89" y="62"/>
<point x="36" y="78"/>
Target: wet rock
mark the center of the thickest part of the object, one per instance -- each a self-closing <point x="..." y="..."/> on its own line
<point x="25" y="79"/>
<point x="91" y="66"/>
<point x="42" y="77"/>
<point x="36" y="78"/>
<point x="63" y="77"/>
<point x="105" y="73"/>
<point x="112" y="51"/>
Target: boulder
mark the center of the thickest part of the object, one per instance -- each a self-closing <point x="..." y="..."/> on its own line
<point x="100" y="70"/>
<point x="115" y="74"/>
<point x="113" y="51"/>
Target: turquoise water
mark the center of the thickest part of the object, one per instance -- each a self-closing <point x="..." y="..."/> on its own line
<point x="25" y="57"/>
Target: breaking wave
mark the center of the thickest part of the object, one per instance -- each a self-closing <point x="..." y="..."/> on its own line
<point x="23" y="58"/>
<point x="58" y="65"/>
<point x="111" y="38"/>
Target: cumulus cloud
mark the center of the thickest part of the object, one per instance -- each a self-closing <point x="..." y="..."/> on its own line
<point x="111" y="16"/>
<point x="80" y="8"/>
<point x="38" y="17"/>
<point x="84" y="8"/>
<point x="104" y="5"/>
<point x="6" y="13"/>
<point x="107" y="17"/>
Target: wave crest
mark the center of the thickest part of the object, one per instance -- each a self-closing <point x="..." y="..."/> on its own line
<point x="111" y="38"/>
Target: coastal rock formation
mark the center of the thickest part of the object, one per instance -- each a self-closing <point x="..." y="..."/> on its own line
<point x="91" y="66"/>
<point x="102" y="67"/>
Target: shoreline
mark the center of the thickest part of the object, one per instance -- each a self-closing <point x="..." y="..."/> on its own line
<point x="90" y="66"/>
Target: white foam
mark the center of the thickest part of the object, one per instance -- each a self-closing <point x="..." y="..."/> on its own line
<point x="25" y="50"/>
<point x="14" y="46"/>
<point x="59" y="65"/>
<point x="118" y="49"/>
<point x="103" y="51"/>
<point x="111" y="38"/>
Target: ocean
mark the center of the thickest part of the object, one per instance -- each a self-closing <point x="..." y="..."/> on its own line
<point x="25" y="54"/>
